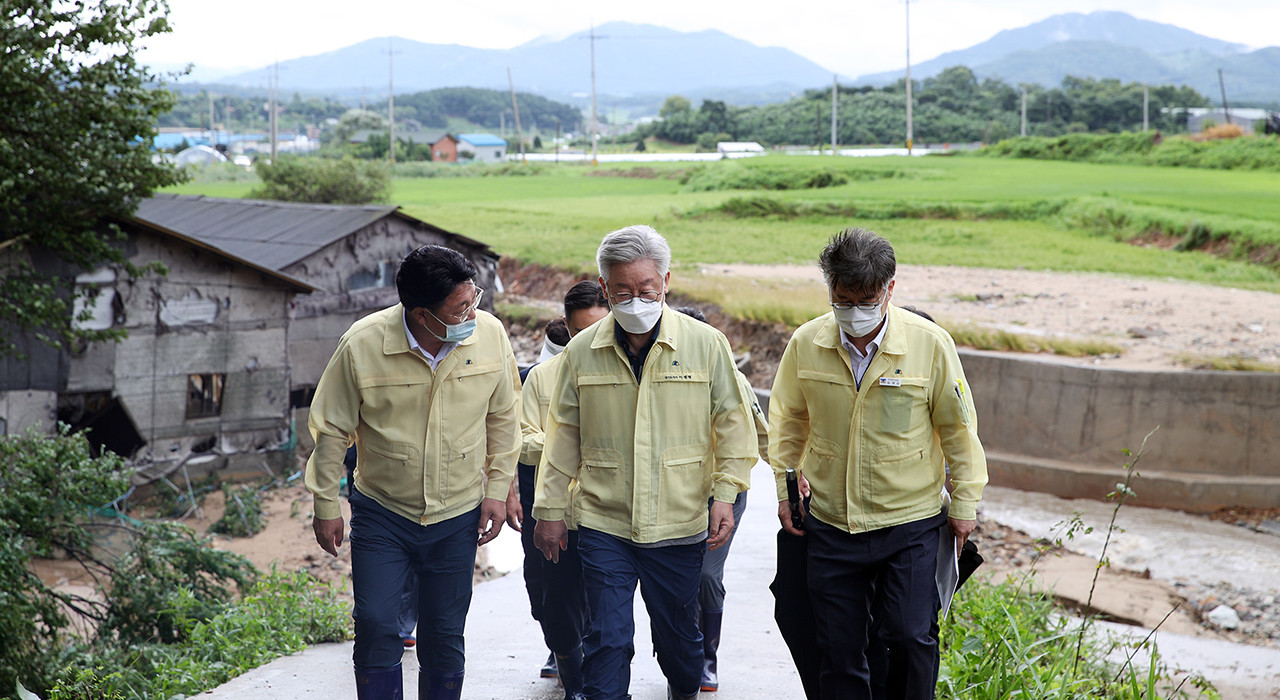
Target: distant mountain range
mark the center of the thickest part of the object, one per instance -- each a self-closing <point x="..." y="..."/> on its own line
<point x="630" y="60"/>
<point x="1112" y="45"/>
<point x="638" y="66"/>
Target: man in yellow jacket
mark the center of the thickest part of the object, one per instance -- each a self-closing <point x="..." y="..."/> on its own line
<point x="868" y="402"/>
<point x="429" y="392"/>
<point x="647" y="416"/>
<point x="556" y="598"/>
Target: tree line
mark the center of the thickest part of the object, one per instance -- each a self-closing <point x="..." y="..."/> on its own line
<point x="952" y="107"/>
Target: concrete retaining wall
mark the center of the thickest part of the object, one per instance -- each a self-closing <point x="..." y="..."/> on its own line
<point x="1062" y="429"/>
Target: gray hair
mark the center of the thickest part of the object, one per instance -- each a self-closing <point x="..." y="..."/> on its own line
<point x="858" y="260"/>
<point x="630" y="244"/>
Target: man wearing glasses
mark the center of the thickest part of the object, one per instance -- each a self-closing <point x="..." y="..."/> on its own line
<point x="429" y="392"/>
<point x="646" y="415"/>
<point x="867" y="403"/>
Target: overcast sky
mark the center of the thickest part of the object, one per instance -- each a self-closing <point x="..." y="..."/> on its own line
<point x="851" y="38"/>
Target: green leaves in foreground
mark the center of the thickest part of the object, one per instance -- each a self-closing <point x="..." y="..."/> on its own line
<point x="279" y="614"/>
<point x="1004" y="642"/>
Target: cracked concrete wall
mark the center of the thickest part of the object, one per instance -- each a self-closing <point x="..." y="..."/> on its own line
<point x="1049" y="426"/>
<point x="206" y="316"/>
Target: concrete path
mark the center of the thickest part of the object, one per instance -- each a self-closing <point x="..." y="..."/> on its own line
<point x="505" y="650"/>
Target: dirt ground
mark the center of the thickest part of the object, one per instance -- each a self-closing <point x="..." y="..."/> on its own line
<point x="1155" y="321"/>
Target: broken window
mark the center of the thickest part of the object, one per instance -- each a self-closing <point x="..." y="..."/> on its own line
<point x="97" y="305"/>
<point x="384" y="275"/>
<point x="204" y="395"/>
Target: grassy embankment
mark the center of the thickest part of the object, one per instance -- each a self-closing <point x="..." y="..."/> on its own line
<point x="966" y="211"/>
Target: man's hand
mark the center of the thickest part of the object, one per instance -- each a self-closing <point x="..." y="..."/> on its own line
<point x="515" y="512"/>
<point x="720" y="524"/>
<point x="492" y="513"/>
<point x="961" y="529"/>
<point x="804" y="485"/>
<point x="784" y="516"/>
<point x="329" y="533"/>
<point x="551" y="537"/>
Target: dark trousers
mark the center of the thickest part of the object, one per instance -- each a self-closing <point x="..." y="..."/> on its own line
<point x="386" y="549"/>
<point x="556" y="598"/>
<point x="711" y="588"/>
<point x="668" y="578"/>
<point x="887" y="575"/>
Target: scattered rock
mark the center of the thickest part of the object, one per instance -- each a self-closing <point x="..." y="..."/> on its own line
<point x="1224" y="617"/>
<point x="1145" y="332"/>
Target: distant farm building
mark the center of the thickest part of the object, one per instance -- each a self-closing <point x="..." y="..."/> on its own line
<point x="1199" y="118"/>
<point x="727" y="147"/>
<point x="484" y="148"/>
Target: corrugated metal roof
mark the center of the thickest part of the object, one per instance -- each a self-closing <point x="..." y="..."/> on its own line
<point x="293" y="282"/>
<point x="272" y="234"/>
<point x="482" y="139"/>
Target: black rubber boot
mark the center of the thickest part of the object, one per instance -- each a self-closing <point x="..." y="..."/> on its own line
<point x="570" y="667"/>
<point x="673" y="695"/>
<point x="549" y="669"/>
<point x="379" y="683"/>
<point x="710" y="644"/>
<point x="439" y="685"/>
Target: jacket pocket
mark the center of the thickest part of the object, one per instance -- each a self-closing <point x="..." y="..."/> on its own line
<point x="903" y="474"/>
<point x="602" y="480"/>
<point x="465" y="466"/>
<point x="903" y="406"/>
<point x="685" y="482"/>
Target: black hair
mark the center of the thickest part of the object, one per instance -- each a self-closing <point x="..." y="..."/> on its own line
<point x="922" y="314"/>
<point x="693" y="312"/>
<point x="428" y="275"/>
<point x="858" y="260"/>
<point x="584" y="295"/>
<point x="558" y="332"/>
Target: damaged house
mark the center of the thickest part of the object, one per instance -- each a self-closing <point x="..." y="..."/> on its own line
<point x="200" y="380"/>
<point x="348" y="253"/>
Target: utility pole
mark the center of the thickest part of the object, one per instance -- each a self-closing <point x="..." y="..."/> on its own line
<point x="909" y="139"/>
<point x="1226" y="111"/>
<point x="595" y="124"/>
<point x="516" y="109"/>
<point x="1146" y="103"/>
<point x="391" y="100"/>
<point x="213" y="139"/>
<point x="835" y="90"/>
<point x="1024" y="112"/>
<point x="275" y="96"/>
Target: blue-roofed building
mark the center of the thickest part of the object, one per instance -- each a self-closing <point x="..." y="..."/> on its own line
<point x="486" y="148"/>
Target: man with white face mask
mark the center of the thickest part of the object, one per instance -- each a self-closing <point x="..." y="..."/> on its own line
<point x="646" y="415"/>
<point x="429" y="392"/>
<point x="867" y="403"/>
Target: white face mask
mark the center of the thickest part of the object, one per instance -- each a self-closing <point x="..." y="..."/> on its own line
<point x="856" y="323"/>
<point x="637" y="315"/>
<point x="549" y="350"/>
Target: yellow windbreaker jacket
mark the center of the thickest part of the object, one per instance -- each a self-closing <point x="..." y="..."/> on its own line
<point x="430" y="444"/>
<point x="646" y="455"/>
<point x="871" y="454"/>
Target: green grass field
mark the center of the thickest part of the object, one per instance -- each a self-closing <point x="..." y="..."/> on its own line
<point x="558" y="217"/>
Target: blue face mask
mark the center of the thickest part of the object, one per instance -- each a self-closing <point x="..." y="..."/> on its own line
<point x="454" y="332"/>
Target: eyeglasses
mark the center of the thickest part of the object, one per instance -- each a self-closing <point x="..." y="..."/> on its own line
<point x="475" y="304"/>
<point x="648" y="296"/>
<point x="866" y="306"/>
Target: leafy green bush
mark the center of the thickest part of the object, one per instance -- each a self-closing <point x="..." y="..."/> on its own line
<point x="49" y="483"/>
<point x="242" y="513"/>
<point x="1137" y="148"/>
<point x="165" y="564"/>
<point x="279" y="614"/>
<point x="740" y="177"/>
<point x="323" y="180"/>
